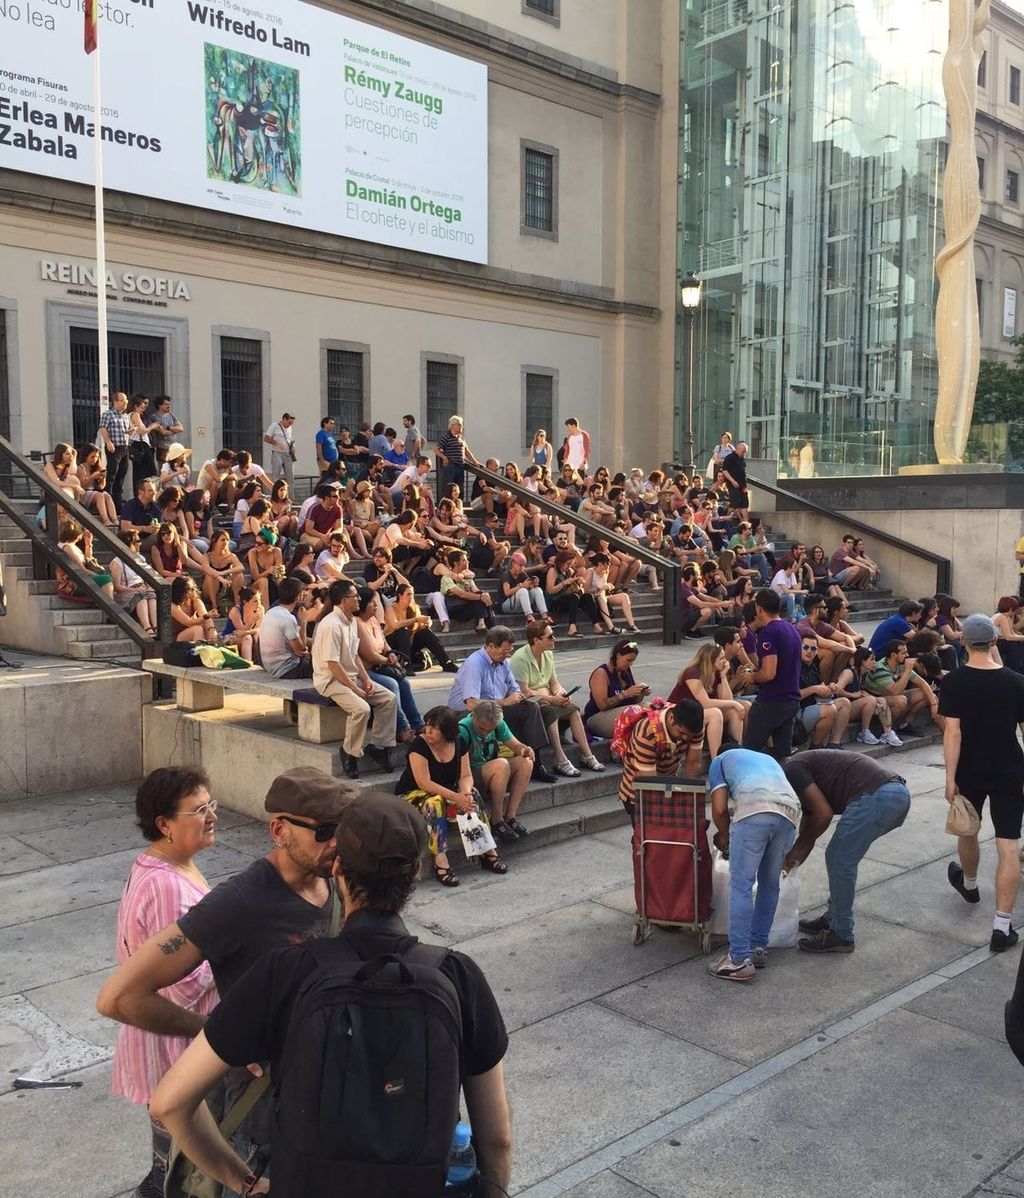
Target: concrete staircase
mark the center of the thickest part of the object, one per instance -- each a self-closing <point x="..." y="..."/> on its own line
<point x="40" y="620"/>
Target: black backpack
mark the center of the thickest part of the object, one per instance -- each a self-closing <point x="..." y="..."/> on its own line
<point x="367" y="1093"/>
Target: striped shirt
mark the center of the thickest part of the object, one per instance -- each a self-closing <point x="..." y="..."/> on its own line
<point x="155" y="895"/>
<point x="649" y="750"/>
<point x="453" y="448"/>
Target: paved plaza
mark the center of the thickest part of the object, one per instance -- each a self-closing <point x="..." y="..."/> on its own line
<point x="632" y="1071"/>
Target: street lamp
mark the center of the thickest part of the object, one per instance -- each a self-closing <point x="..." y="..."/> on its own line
<point x="689" y="296"/>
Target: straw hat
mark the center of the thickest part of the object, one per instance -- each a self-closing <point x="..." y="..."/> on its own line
<point x="176" y="450"/>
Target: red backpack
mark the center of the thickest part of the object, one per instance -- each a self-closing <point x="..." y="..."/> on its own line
<point x="626" y="719"/>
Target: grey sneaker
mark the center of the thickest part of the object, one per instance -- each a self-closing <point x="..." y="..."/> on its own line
<point x="759" y="957"/>
<point x="728" y="969"/>
<point x="868" y="738"/>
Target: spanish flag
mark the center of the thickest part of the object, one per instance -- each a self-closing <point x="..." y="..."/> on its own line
<point x="91" y="10"/>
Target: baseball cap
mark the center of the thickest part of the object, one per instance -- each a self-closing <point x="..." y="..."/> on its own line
<point x="979" y="630"/>
<point x="310" y="792"/>
<point x="287" y="416"/>
<point x="381" y="834"/>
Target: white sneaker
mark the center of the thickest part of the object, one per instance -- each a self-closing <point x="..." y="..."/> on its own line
<point x="890" y="738"/>
<point x="868" y="738"/>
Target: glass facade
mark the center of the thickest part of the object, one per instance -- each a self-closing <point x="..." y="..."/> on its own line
<point x="812" y="141"/>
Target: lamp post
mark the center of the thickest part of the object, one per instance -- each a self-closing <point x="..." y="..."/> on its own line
<point x="689" y="296"/>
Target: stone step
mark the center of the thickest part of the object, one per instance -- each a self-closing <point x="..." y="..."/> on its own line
<point x="12" y="559"/>
<point x="14" y="544"/>
<point x="75" y="613"/>
<point x="551" y="826"/>
<point x="94" y="630"/>
<point x="123" y="650"/>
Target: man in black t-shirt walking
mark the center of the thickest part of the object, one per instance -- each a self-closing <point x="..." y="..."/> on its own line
<point x="983" y="703"/>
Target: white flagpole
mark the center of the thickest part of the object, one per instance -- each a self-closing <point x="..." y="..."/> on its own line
<point x="101" y="247"/>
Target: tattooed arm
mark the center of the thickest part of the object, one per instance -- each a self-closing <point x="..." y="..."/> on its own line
<point x="131" y="995"/>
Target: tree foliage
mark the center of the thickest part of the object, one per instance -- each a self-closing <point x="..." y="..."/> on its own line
<point x="999" y="399"/>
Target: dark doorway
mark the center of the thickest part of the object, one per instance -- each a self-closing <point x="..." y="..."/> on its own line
<point x="136" y="364"/>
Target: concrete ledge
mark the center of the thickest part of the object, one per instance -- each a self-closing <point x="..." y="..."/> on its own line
<point x="69" y="725"/>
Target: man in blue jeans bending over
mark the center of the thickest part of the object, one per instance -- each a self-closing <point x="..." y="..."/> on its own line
<point x="870" y="800"/>
<point x="756" y="810"/>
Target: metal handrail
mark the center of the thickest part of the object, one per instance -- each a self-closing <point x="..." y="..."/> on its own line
<point x="46" y="553"/>
<point x="671" y="596"/>
<point x="943" y="566"/>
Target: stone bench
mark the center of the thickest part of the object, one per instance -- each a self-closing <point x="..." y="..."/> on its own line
<point x="198" y="689"/>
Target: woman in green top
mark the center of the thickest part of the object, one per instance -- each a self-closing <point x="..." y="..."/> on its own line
<point x="534" y="668"/>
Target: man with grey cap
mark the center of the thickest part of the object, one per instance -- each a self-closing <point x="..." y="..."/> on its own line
<point x="983" y="703"/>
<point x="381" y="841"/>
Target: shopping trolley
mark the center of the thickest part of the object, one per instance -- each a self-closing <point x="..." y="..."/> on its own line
<point x="671" y="861"/>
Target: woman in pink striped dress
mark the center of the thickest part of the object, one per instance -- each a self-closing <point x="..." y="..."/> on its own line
<point x="178" y="817"/>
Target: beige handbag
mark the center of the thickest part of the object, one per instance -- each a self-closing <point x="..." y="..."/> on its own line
<point x="962" y="819"/>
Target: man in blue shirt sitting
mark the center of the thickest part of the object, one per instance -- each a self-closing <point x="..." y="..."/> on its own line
<point x="486" y="674"/>
<point x="895" y="627"/>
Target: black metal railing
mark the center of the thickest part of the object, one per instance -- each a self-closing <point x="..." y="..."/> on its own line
<point x="943" y="566"/>
<point x="46" y="555"/>
<point x="670" y="571"/>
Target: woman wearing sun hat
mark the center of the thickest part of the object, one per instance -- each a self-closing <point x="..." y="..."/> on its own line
<point x="176" y="472"/>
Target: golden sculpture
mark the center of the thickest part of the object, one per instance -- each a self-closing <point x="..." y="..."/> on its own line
<point x="957" y="332"/>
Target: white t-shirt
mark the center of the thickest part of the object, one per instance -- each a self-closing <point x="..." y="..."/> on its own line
<point x="280" y="436"/>
<point x="410" y="474"/>
<point x="783" y="583"/>
<point x="210" y="475"/>
<point x="574" y="453"/>
<point x="325" y="574"/>
<point x="278" y="628"/>
<point x="307" y="506"/>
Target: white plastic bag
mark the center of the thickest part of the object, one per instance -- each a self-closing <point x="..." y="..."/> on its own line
<point x="786" y="925"/>
<point x="719" y="924"/>
<point x="476" y="835"/>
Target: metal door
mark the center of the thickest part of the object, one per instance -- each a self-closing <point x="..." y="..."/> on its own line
<point x="136" y="365"/>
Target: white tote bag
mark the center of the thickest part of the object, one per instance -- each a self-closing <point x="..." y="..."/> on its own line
<point x="476" y="835"/>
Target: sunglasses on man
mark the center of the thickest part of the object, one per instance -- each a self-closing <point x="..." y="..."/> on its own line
<point x="321" y="832"/>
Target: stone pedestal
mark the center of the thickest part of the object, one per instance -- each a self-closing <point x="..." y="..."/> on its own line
<point x="967" y="513"/>
<point x="192" y="695"/>
<point x="320" y="725"/>
<point x="954" y="469"/>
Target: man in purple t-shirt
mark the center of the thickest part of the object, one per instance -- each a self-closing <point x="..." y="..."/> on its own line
<point x="777" y="678"/>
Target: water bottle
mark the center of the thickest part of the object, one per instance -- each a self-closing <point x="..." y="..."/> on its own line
<point x="461" y="1162"/>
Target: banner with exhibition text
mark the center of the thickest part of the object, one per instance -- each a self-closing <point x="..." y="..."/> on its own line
<point x="271" y="109"/>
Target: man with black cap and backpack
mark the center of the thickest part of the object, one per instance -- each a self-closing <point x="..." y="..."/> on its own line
<point x="369" y="1037"/>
